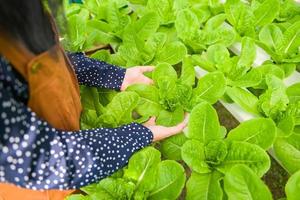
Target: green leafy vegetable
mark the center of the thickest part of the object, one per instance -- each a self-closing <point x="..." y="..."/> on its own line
<point x="287" y="150"/>
<point x="242" y="183"/>
<point x="171" y="147"/>
<point x="258" y="131"/>
<point x="149" y="99"/>
<point x="171" y="181"/>
<point x="203" y="124"/>
<point x="245" y="153"/>
<point x="243" y="98"/>
<point x="292" y="187"/>
<point x="142" y="169"/>
<point x="119" y="110"/>
<point x="204" y="186"/>
<point x="266" y="12"/>
<point x="293" y="93"/>
<point x="171" y="53"/>
<point x="211" y="87"/>
<point x="193" y="154"/>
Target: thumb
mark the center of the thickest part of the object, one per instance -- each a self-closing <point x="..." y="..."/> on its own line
<point x="150" y="122"/>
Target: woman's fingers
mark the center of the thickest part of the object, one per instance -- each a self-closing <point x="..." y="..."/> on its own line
<point x="162" y="132"/>
<point x="183" y="124"/>
<point x="178" y="128"/>
<point x="146" y="80"/>
<point x="146" y="68"/>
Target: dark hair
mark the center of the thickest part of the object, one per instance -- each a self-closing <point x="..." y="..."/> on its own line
<point x="28" y="21"/>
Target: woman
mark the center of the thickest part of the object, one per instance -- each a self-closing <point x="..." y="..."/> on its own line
<point x="41" y="146"/>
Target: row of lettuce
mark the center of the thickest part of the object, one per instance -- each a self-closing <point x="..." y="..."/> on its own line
<point x="175" y="36"/>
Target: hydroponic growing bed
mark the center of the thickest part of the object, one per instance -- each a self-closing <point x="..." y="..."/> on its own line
<point x="243" y="54"/>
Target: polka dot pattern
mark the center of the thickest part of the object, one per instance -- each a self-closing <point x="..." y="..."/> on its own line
<point x="96" y="73"/>
<point x="37" y="156"/>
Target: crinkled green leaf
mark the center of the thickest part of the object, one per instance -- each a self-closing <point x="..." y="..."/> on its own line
<point x="271" y="35"/>
<point x="185" y="96"/>
<point x="243" y="98"/>
<point x="89" y="120"/>
<point x="274" y="101"/>
<point x="163" y="8"/>
<point x="171" y="147"/>
<point x="292" y="187"/>
<point x="171" y="180"/>
<point x="147" y="25"/>
<point x="162" y="70"/>
<point x="250" y="79"/>
<point x="203" y="62"/>
<point x="204" y="124"/>
<point x="217" y="53"/>
<point x="148" y="104"/>
<point x="204" y="186"/>
<point x="248" y="53"/>
<point x="77" y="31"/>
<point x="157" y="40"/>
<point x="291" y="40"/>
<point x="288" y="68"/>
<point x="245" y="153"/>
<point x="240" y="16"/>
<point x="215" y="22"/>
<point x="293" y="93"/>
<point x="142" y="169"/>
<point x="259" y="131"/>
<point x="168" y="93"/>
<point x="90" y="189"/>
<point x="202" y="12"/>
<point x="118" y="188"/>
<point x="141" y="2"/>
<point x="100" y="25"/>
<point x="187" y="72"/>
<point x="170" y="118"/>
<point x="211" y="87"/>
<point x="115" y="18"/>
<point x="179" y="5"/>
<point x="215" y="152"/>
<point x="285" y="125"/>
<point x="119" y="110"/>
<point x="186" y="24"/>
<point x="193" y="155"/>
<point x="91" y="100"/>
<point x="266" y="12"/>
<point x="269" y="69"/>
<point x="103" y="55"/>
<point x="293" y="110"/>
<point x="171" y="53"/>
<point x="287" y="150"/>
<point x="242" y="183"/>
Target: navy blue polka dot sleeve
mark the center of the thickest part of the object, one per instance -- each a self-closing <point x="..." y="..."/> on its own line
<point x="92" y="72"/>
<point x="37" y="156"/>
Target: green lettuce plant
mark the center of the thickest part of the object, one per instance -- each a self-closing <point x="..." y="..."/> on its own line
<point x="281" y="44"/>
<point x="212" y="157"/>
<point x="145" y="177"/>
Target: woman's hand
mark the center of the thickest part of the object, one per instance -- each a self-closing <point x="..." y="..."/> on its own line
<point x="162" y="132"/>
<point x="136" y="75"/>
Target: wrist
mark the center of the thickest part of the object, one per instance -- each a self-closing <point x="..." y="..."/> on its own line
<point x="124" y="84"/>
